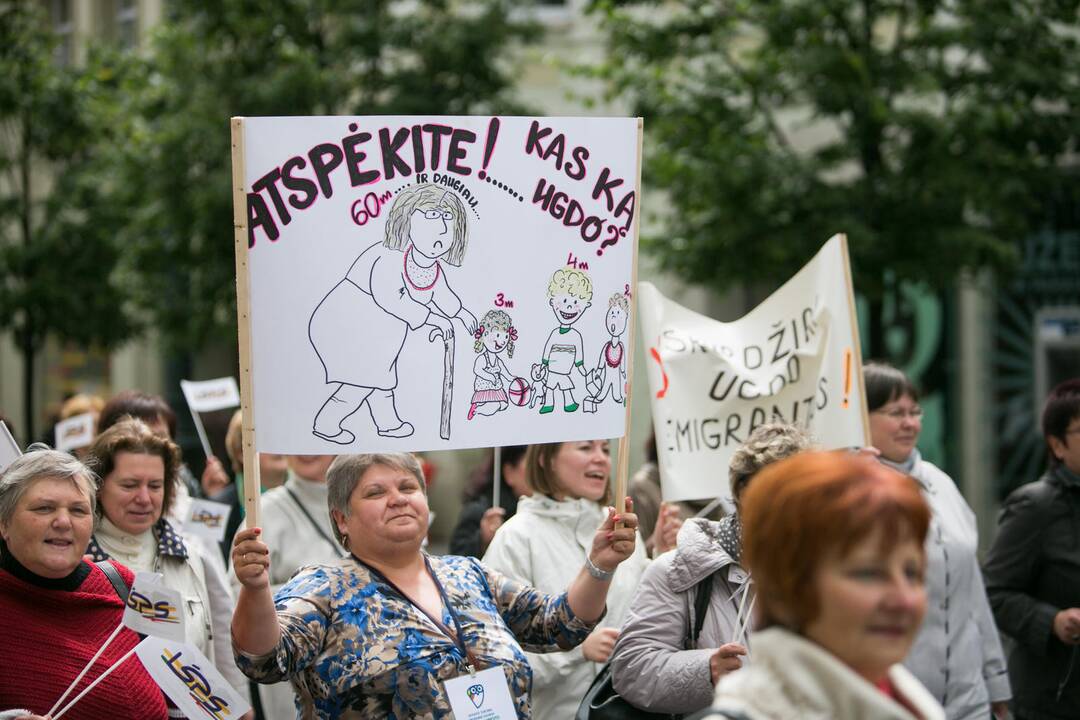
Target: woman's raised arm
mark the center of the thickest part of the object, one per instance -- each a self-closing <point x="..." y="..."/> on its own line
<point x="255" y="628"/>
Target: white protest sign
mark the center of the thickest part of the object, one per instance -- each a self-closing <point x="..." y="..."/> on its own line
<point x="75" y="432"/>
<point x="430" y="283"/>
<point x="207" y="519"/>
<point x="483" y="696"/>
<point x="190" y="680"/>
<point x="210" y="395"/>
<point x="794" y="358"/>
<point x="153" y="609"/>
<point x="9" y="449"/>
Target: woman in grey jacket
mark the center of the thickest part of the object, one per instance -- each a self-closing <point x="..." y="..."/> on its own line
<point x="957" y="654"/>
<point x="656" y="666"/>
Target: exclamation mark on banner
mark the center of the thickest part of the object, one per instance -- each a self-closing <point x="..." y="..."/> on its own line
<point x="663" y="373"/>
<point x="847" y="378"/>
<point x="489" y="146"/>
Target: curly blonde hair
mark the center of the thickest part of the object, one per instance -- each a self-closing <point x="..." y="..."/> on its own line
<point x="571" y="281"/>
<point x="494" y="320"/>
<point x="619" y="300"/>
<point x="765" y="445"/>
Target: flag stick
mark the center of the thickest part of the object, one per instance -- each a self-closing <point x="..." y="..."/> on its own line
<point x="497" y="473"/>
<point x="94" y="684"/>
<point x="79" y="677"/>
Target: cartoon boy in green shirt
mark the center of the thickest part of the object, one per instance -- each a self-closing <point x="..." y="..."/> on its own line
<point x="569" y="293"/>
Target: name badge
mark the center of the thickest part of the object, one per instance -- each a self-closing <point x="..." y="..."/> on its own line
<point x="737" y="575"/>
<point x="483" y="696"/>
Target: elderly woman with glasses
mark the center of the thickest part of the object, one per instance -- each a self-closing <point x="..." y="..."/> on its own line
<point x="958" y="654"/>
<point x="380" y="633"/>
<point x="57" y="609"/>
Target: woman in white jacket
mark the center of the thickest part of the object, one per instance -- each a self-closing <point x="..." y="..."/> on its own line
<point x="139" y="476"/>
<point x="958" y="654"/>
<point x="545" y="544"/>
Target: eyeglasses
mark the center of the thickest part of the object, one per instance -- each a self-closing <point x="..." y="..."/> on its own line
<point x="899" y="414"/>
<point x="437" y="214"/>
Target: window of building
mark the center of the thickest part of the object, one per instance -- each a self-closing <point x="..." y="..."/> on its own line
<point x="64" y="28"/>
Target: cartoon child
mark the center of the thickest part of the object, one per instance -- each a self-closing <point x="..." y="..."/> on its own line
<point x="494" y="334"/>
<point x="570" y="294"/>
<point x="610" y="373"/>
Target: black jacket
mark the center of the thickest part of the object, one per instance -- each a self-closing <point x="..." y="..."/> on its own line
<point x="1032" y="572"/>
<point x="465" y="539"/>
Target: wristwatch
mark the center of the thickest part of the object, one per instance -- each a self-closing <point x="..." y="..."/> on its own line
<point x="597" y="572"/>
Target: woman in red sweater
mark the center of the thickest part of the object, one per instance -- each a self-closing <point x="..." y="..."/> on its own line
<point x="57" y="609"/>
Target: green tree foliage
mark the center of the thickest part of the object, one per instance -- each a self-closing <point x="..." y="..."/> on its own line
<point x="931" y="132"/>
<point x="211" y="60"/>
<point x="56" y="256"/>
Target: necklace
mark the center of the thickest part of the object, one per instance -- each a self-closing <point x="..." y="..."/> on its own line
<point x="420" y="277"/>
<point x="608" y="350"/>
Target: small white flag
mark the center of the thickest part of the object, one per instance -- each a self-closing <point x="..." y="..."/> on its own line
<point x="75" y="432"/>
<point x="190" y="680"/>
<point x="9" y="449"/>
<point x="210" y="395"/>
<point x="153" y="609"/>
<point x="207" y="519"/>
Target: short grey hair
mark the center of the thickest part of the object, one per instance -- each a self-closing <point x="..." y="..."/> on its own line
<point x="38" y="465"/>
<point x="765" y="445"/>
<point x="345" y="473"/>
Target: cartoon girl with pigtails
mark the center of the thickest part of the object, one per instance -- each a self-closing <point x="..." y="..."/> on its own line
<point x="494" y="334"/>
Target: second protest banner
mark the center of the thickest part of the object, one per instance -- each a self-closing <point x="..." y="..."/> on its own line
<point x="794" y="358"/>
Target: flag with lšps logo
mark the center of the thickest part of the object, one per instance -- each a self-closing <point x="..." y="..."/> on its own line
<point x="190" y="680"/>
<point x="153" y="609"/>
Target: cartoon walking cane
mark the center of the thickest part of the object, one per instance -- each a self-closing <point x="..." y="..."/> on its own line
<point x="448" y="378"/>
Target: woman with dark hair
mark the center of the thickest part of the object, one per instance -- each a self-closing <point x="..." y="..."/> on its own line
<point x="478" y="520"/>
<point x="157" y="415"/>
<point x="544" y="544"/>
<point x="834" y="542"/>
<point x="957" y="655"/>
<point x="1033" y="571"/>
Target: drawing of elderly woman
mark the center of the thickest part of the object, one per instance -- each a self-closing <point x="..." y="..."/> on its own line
<point x="393" y="287"/>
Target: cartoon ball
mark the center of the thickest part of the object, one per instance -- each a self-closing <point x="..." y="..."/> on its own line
<point x="519" y="391"/>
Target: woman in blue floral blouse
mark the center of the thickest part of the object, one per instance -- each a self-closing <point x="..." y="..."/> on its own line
<point x="376" y="635"/>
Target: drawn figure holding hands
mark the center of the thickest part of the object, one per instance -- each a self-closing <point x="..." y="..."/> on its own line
<point x="393" y="287"/>
<point x="570" y="294"/>
<point x="610" y="372"/>
<point x="495" y="334"/>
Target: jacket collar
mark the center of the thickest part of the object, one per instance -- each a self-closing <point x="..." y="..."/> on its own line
<point x="700" y="551"/>
<point x="1067" y="477"/>
<point x="825" y="687"/>
<point x="169" y="543"/>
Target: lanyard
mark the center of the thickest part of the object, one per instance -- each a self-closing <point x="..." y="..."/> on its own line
<point x="314" y="525"/>
<point x="457" y="637"/>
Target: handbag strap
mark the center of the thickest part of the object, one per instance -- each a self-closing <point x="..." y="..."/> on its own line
<point x="702" y="595"/>
<point x="115" y="578"/>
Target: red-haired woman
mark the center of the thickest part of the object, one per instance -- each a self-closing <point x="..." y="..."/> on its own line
<point x="835" y="546"/>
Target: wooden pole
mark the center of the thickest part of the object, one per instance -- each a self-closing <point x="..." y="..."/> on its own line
<point x="857" y="350"/>
<point x="496" y="474"/>
<point x="622" y="468"/>
<point x="243" y="325"/>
